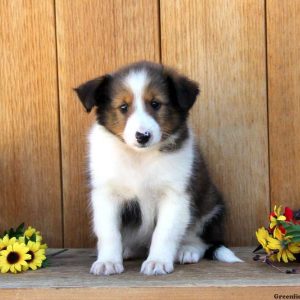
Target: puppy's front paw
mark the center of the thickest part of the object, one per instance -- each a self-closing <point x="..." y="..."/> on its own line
<point x="106" y="268"/>
<point x="189" y="254"/>
<point x="153" y="267"/>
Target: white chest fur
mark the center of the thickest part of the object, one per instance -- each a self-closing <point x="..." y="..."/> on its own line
<point x="146" y="176"/>
<point x="129" y="173"/>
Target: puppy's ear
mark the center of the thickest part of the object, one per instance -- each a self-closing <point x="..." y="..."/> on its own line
<point x="94" y="91"/>
<point x="181" y="89"/>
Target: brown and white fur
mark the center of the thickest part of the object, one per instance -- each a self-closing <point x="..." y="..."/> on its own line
<point x="150" y="190"/>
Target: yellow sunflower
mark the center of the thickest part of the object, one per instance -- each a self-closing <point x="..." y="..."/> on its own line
<point x="37" y="256"/>
<point x="30" y="231"/>
<point x="6" y="241"/>
<point x="262" y="234"/>
<point x="276" y="216"/>
<point x="284" y="247"/>
<point x="44" y="246"/>
<point x="21" y="239"/>
<point x="14" y="258"/>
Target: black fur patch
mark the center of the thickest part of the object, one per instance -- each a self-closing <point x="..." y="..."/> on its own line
<point x="204" y="198"/>
<point x="182" y="90"/>
<point x="213" y="230"/>
<point x="204" y="194"/>
<point x="94" y="92"/>
<point x="210" y="252"/>
<point x="131" y="214"/>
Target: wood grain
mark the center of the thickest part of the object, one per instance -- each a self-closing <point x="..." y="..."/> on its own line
<point x="71" y="269"/>
<point x="30" y="188"/>
<point x="174" y="293"/>
<point x="68" y="277"/>
<point x="94" y="37"/>
<point x="221" y="44"/>
<point x="283" y="25"/>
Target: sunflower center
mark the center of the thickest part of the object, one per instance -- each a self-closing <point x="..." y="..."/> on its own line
<point x="32" y="256"/>
<point x="13" y="257"/>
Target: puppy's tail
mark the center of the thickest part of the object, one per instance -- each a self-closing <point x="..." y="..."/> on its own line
<point x="221" y="253"/>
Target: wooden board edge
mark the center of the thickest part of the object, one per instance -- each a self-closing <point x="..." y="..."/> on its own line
<point x="149" y="293"/>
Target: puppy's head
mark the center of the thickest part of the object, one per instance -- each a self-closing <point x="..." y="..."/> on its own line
<point x="144" y="104"/>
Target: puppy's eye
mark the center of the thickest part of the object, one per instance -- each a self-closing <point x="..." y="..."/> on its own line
<point x="124" y="108"/>
<point x="155" y="104"/>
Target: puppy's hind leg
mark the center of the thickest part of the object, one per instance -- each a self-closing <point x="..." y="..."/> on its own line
<point x="191" y="249"/>
<point x="213" y="236"/>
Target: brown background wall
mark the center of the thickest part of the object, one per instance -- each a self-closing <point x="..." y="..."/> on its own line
<point x="245" y="54"/>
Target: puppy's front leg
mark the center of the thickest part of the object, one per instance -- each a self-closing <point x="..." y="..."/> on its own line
<point x="106" y="219"/>
<point x="173" y="218"/>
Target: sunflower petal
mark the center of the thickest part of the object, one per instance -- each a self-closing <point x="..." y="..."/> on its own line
<point x="27" y="256"/>
<point x="24" y="263"/>
<point x="274" y="244"/>
<point x="4" y="253"/>
<point x="32" y="266"/>
<point x="25" y="268"/>
<point x="12" y="269"/>
<point x="290" y="256"/>
<point x="279" y="255"/>
<point x="18" y="267"/>
<point x="294" y="248"/>
<point x="5" y="268"/>
<point x="284" y="256"/>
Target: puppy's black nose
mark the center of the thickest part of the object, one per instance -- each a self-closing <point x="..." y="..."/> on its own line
<point x="142" y="138"/>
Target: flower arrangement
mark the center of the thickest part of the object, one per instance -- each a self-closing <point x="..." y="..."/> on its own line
<point x="22" y="249"/>
<point x="281" y="239"/>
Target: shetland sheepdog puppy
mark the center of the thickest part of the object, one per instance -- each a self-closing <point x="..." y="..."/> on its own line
<point x="151" y="194"/>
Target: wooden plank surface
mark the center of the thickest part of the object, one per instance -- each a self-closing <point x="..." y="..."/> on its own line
<point x="30" y="188"/>
<point x="68" y="276"/>
<point x="221" y="44"/>
<point x="94" y="37"/>
<point x="71" y="269"/>
<point x="173" y="293"/>
<point x="283" y="23"/>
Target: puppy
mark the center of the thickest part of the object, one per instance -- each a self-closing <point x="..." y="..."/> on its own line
<point x="150" y="190"/>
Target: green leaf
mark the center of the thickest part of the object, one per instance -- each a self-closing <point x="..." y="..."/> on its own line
<point x="293" y="233"/>
<point x="295" y="239"/>
<point x="45" y="263"/>
<point x="283" y="223"/>
<point x="296" y="235"/>
<point x="290" y="226"/>
<point x="15" y="233"/>
<point x="20" y="228"/>
<point x="33" y="237"/>
<point x="11" y="233"/>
